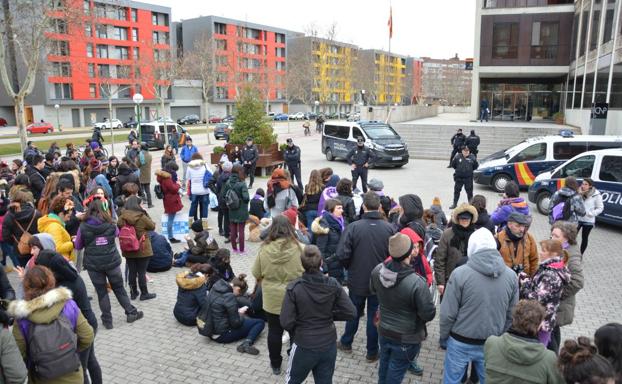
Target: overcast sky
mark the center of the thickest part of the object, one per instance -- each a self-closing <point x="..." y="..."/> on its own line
<point x="434" y="28"/>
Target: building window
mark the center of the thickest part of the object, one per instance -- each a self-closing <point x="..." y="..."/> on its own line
<point x="134" y="15"/>
<point x="221" y="92"/>
<point x="160" y="37"/>
<point x="86" y="6"/>
<point x="93" y="91"/>
<point x="220" y="28"/>
<point x="583" y="35"/>
<point x="102" y="51"/>
<point x="103" y="70"/>
<point x="60" y="26"/>
<point x="607" y="36"/>
<point x="135" y="55"/>
<point x="60" y="48"/>
<point x="121" y="13"/>
<point x="544" y="40"/>
<point x="221" y="60"/>
<point x="280" y="66"/>
<point x="121" y="53"/>
<point x="120" y="33"/>
<point x="62" y="91"/>
<point x="89" y="50"/>
<point x="102" y="31"/>
<point x="88" y="30"/>
<point x="221" y="44"/>
<point x="124" y="92"/>
<point x="279" y="52"/>
<point x="279" y="38"/>
<point x="62" y="69"/>
<point x="134" y="34"/>
<point x="159" y="19"/>
<point x="221" y="77"/>
<point x="505" y="41"/>
<point x="91" y="70"/>
<point x="595" y="29"/>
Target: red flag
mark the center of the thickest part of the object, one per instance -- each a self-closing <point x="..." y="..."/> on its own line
<point x="390" y="23"/>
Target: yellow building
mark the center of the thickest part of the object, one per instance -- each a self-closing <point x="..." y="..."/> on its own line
<point x="389" y="75"/>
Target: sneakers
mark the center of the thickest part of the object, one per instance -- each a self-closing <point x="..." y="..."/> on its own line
<point x="344" y="348"/>
<point x="132" y="317"/>
<point x="247" y="347"/>
<point x="147" y="296"/>
<point x="371" y="359"/>
<point x="174" y="241"/>
<point x="415" y="369"/>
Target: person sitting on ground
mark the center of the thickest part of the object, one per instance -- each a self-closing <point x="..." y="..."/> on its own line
<point x="256" y="205"/>
<point x="580" y="362"/>
<point x="221" y="262"/>
<point x="191" y="292"/>
<point x="511" y="202"/>
<point x="517" y="356"/>
<point x="200" y="249"/>
<point x="162" y="259"/>
<point x="608" y="339"/>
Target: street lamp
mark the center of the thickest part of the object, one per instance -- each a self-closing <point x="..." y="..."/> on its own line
<point x="138" y="99"/>
<point x="317" y="107"/>
<point x="57" y="107"/>
<point x="363" y="95"/>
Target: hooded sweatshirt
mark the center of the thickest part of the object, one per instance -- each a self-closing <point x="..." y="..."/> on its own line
<point x="480" y="295"/>
<point x="506" y="206"/>
<point x="311" y="306"/>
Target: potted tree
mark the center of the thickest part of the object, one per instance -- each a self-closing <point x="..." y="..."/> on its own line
<point x="217" y="154"/>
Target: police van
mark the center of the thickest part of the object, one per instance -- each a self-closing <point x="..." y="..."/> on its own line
<point x="338" y="138"/>
<point x="526" y="160"/>
<point x="152" y="133"/>
<point x="604" y="167"/>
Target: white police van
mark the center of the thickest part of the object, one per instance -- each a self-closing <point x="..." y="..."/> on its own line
<point x="604" y="167"/>
<point x="527" y="159"/>
<point x="338" y="138"/>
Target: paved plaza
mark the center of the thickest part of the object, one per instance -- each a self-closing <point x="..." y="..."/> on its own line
<point x="158" y="349"/>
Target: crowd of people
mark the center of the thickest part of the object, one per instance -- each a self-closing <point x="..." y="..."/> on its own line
<point x="504" y="295"/>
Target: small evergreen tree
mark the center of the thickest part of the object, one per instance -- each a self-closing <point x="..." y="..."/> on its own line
<point x="251" y="120"/>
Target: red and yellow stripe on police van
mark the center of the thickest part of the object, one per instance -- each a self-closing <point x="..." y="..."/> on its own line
<point x="561" y="183"/>
<point x="524" y="174"/>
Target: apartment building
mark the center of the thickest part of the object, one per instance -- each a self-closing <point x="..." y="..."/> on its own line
<point x="382" y="76"/>
<point x="414" y="80"/>
<point x="446" y="81"/>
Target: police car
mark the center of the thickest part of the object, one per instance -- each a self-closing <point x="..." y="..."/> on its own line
<point x="526" y="160"/>
<point x="604" y="167"/>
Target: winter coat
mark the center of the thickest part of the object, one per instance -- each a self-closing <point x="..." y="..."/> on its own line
<point x="277" y="264"/>
<point x="37" y="181"/>
<point x="142" y="223"/>
<point x="98" y="241"/>
<point x="349" y="210"/>
<point x="202" y="248"/>
<point x="191" y="294"/>
<point x="220" y="183"/>
<point x="484" y="221"/>
<point x="439" y="216"/>
<point x="464" y="166"/>
<point x="283" y="200"/>
<point x="364" y="245"/>
<point x="472" y="141"/>
<point x="404" y="300"/>
<point x="420" y="263"/>
<point x="327" y="232"/>
<point x="458" y="140"/>
<point x="411" y="217"/>
<point x="165" y="159"/>
<point x="12" y="367"/>
<point x="577" y="208"/>
<point x="479" y="296"/>
<point x="145" y="169"/>
<point x="546" y="287"/>
<point x="239" y="215"/>
<point x="523" y="252"/>
<point x="506" y="206"/>
<point x="565" y="312"/>
<point x="292" y="156"/>
<point x="250" y="154"/>
<point x="162" y="259"/>
<point x="311" y="305"/>
<point x="195" y="173"/>
<point x="256" y="208"/>
<point x="43" y="310"/>
<point x="12" y="232"/>
<point x="512" y="358"/>
<point x="53" y="225"/>
<point x="310" y="202"/>
<point x="223" y="307"/>
<point x="593" y="203"/>
<point x="170" y="190"/>
<point x="447" y="257"/>
<point x="185" y="154"/>
<point x="126" y="175"/>
<point x="360" y="156"/>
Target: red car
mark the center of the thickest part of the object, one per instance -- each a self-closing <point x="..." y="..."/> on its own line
<point x="215" y="119"/>
<point x="40" y="128"/>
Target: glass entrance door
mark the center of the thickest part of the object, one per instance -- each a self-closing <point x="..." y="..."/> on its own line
<point x="520" y="106"/>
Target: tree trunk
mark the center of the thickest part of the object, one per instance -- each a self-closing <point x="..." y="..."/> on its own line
<point x="111" y="130"/>
<point x="164" y="120"/>
<point x="21" y="121"/>
<point x="206" y="104"/>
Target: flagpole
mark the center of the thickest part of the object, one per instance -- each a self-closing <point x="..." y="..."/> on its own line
<point x="388" y="70"/>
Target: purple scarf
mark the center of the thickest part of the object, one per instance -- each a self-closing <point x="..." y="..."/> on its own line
<point x="340" y="220"/>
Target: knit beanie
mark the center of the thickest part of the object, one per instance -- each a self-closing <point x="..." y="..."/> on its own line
<point x="436" y="201"/>
<point x="400" y="246"/>
<point x="291" y="215"/>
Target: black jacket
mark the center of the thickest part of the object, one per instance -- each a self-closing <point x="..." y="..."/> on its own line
<point x="310" y="202"/>
<point x="100" y="251"/>
<point x="6" y="293"/>
<point x="360" y="156"/>
<point x="349" y="209"/>
<point x="363" y="245"/>
<point x="11" y="232"/>
<point x="404" y="300"/>
<point x="292" y="156"/>
<point x="310" y="308"/>
<point x="484" y="221"/>
<point x="458" y="140"/>
<point x="256" y="208"/>
<point x="126" y="175"/>
<point x="472" y="141"/>
<point x="327" y="232"/>
<point x="464" y="166"/>
<point x="250" y="154"/>
<point x="37" y="181"/>
<point x="223" y="309"/>
<point x="191" y="294"/>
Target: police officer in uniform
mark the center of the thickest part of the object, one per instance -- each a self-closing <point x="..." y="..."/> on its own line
<point x="464" y="164"/>
<point x="292" y="160"/>
<point x="250" y="155"/>
<point x="457" y="141"/>
<point x="359" y="158"/>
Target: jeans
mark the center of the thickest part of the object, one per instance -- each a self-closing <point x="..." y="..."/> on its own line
<point x="303" y="360"/>
<point x="361" y="172"/>
<point x="310" y="216"/>
<point x="237" y="233"/>
<point x="223" y="220"/>
<point x="352" y="326"/>
<point x="585" y="228"/>
<point x="146" y="192"/>
<point x="169" y="225"/>
<point x="195" y="200"/>
<point x="483" y="115"/>
<point x="138" y="270"/>
<point x="115" y="278"/>
<point x="275" y="339"/>
<point x="8" y="249"/>
<point x="457" y="359"/>
<point x="250" y="330"/>
<point x="90" y="366"/>
<point x="395" y="359"/>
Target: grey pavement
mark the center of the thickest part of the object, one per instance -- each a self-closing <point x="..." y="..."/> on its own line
<point x="157" y="349"/>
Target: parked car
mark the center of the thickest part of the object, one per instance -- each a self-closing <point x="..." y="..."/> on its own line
<point x="131" y="123"/>
<point x="3" y="122"/>
<point x="310" y="116"/>
<point x="189" y="119"/>
<point x="42" y="127"/>
<point x="114" y="124"/>
<point x="228" y="119"/>
<point x="222" y="131"/>
<point x="354" y="116"/>
<point x="215" y="119"/>
<point x="297" y="116"/>
<point x="152" y="133"/>
<point x="280" y="117"/>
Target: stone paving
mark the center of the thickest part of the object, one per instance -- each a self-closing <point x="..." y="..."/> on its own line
<point x="157" y="349"/>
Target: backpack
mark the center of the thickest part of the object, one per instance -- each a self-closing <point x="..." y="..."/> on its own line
<point x="232" y="200"/>
<point x="157" y="189"/>
<point x="562" y="210"/>
<point x="128" y="240"/>
<point x="53" y="348"/>
<point x="90" y="185"/>
<point x="22" y="243"/>
<point x="207" y="177"/>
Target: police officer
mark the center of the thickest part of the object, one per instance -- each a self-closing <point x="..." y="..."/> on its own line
<point x="250" y="155"/>
<point x="457" y="141"/>
<point x="292" y="160"/>
<point x="359" y="158"/>
<point x="472" y="141"/>
<point x="464" y="164"/>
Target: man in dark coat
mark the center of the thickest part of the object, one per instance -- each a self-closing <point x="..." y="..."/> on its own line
<point x="37" y="180"/>
<point x="359" y="158"/>
<point x="472" y="141"/>
<point x="464" y="164"/>
<point x="250" y="155"/>
<point x="457" y="141"/>
<point x="292" y="159"/>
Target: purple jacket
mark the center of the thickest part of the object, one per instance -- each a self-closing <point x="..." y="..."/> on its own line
<point x="506" y="206"/>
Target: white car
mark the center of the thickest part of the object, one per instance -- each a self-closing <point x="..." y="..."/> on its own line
<point x="297" y="116"/>
<point x="114" y="124"/>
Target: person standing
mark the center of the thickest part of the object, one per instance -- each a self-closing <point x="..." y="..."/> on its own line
<point x="237" y="215"/>
<point x="483" y="110"/>
<point x="567" y="204"/>
<point x="311" y="198"/>
<point x="53" y="223"/>
<point x="223" y="211"/>
<point x="171" y="200"/>
<point x="292" y="160"/>
<point x="593" y="203"/>
<point x="359" y="158"/>
<point x="327" y="230"/>
<point x="457" y="142"/>
<point x="21" y="217"/>
<point x="511" y="202"/>
<point x="517" y="246"/>
<point x="196" y="174"/>
<point x="464" y="165"/>
<point x="250" y="155"/>
<point x="174" y="140"/>
<point x="281" y="195"/>
<point x="405" y="307"/>
<point x="144" y="160"/>
<point x="364" y="244"/>
<point x="311" y="305"/>
<point x="472" y="141"/>
<point x="477" y="304"/>
<point x="33" y="171"/>
<point x="186" y="157"/>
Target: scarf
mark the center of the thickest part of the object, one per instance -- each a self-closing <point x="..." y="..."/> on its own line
<point x="339" y="220"/>
<point x="512" y="236"/>
<point x="258" y="197"/>
<point x="460" y="240"/>
<point x="276" y="185"/>
<point x="56" y="217"/>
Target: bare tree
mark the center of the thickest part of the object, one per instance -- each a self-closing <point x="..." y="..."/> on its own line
<point x="112" y="84"/>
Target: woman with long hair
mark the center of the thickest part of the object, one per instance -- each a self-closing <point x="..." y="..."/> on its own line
<point x="112" y="171"/>
<point x="48" y="193"/>
<point x="278" y="262"/>
<point x="135" y="216"/>
<point x="167" y="156"/>
<point x="21" y="217"/>
<point x="344" y="194"/>
<point x="237" y="215"/>
<point x="167" y="178"/>
<point x="311" y="197"/>
<point x="593" y="202"/>
<point x="61" y="209"/>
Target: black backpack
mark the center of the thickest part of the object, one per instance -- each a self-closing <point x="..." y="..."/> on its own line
<point x="232" y="200"/>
